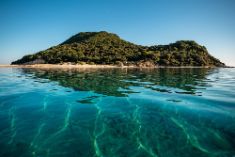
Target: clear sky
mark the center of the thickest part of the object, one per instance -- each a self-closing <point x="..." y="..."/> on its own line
<point x="28" y="26"/>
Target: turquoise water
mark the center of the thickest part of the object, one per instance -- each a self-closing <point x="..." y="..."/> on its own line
<point x="117" y="113"/>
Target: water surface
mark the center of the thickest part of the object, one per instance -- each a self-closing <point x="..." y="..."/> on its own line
<point x="117" y="112"/>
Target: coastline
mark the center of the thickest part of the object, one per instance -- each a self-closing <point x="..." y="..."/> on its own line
<point x="85" y="66"/>
<point x="51" y="66"/>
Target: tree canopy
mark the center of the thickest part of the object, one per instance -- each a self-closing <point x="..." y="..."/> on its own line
<point x="107" y="48"/>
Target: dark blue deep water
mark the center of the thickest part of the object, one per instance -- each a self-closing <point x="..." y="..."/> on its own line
<point x="117" y="112"/>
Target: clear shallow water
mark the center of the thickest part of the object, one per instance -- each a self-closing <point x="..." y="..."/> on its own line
<point x="117" y="113"/>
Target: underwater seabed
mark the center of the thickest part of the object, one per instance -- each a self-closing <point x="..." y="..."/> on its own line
<point x="117" y="113"/>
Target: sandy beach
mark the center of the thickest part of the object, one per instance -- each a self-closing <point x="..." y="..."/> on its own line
<point x="51" y="66"/>
<point x="77" y="66"/>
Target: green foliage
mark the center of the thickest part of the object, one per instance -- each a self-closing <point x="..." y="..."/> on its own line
<point x="107" y="48"/>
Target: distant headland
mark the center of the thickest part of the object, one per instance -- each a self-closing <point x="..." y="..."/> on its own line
<point x="103" y="48"/>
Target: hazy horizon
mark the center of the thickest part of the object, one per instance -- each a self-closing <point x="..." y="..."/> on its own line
<point x="30" y="26"/>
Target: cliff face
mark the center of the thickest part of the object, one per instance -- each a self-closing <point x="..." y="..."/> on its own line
<point x="107" y="48"/>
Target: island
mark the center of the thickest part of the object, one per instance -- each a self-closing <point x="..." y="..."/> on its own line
<point x="104" y="48"/>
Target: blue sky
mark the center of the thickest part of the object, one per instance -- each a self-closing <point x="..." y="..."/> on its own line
<point x="28" y="26"/>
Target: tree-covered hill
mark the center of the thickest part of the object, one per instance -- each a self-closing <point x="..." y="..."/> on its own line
<point x="107" y="48"/>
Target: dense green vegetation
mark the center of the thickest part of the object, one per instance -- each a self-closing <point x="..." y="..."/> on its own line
<point x="108" y="48"/>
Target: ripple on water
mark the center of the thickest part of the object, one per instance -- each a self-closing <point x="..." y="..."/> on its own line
<point x="116" y="112"/>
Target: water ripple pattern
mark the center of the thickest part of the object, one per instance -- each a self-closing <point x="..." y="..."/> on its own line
<point x="117" y="112"/>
